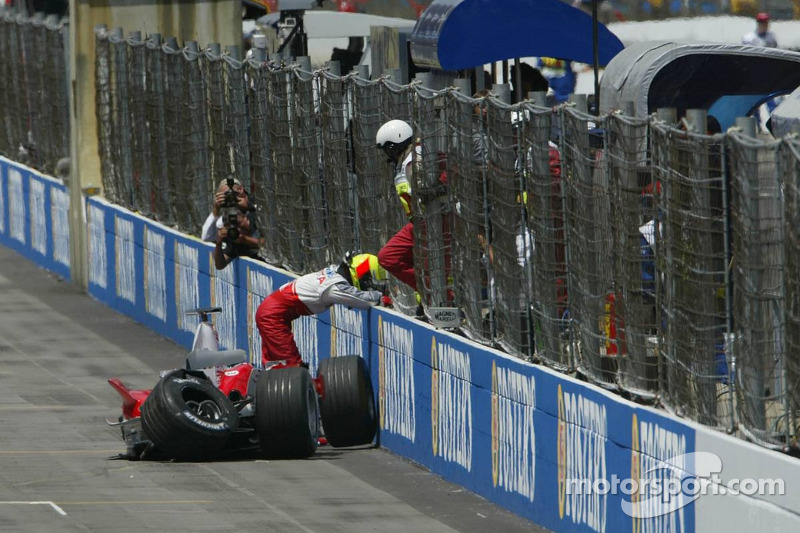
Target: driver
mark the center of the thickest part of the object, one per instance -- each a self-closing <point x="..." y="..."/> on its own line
<point x="353" y="283"/>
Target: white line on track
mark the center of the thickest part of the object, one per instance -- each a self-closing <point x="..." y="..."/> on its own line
<point x="55" y="507"/>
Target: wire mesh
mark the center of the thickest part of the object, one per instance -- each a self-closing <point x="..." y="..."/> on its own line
<point x="105" y="126"/>
<point x="790" y="167"/>
<point x="34" y="140"/>
<point x="8" y="70"/>
<point x="758" y="266"/>
<point x="35" y="129"/>
<point x="431" y="208"/>
<point x="339" y="163"/>
<point x="310" y="214"/>
<point x="397" y="102"/>
<point x="263" y="184"/>
<point x="373" y="184"/>
<point x="56" y="124"/>
<point x="632" y="200"/>
<point x="510" y="239"/>
<point x="120" y="114"/>
<point x="160" y="201"/>
<point x="286" y="189"/>
<point x="610" y="255"/>
<point x="214" y="74"/>
<point x="692" y="261"/>
<point x="547" y="268"/>
<point x="197" y="186"/>
<point x="140" y="141"/>
<point x="466" y="174"/>
<point x="236" y="125"/>
<point x="174" y="113"/>
<point x="590" y="282"/>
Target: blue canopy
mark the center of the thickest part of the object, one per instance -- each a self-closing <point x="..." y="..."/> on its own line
<point x="459" y="34"/>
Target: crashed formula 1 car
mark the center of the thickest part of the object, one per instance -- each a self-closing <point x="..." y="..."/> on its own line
<point x="220" y="404"/>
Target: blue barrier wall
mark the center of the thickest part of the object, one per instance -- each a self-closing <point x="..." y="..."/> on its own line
<point x="33" y="217"/>
<point x="518" y="434"/>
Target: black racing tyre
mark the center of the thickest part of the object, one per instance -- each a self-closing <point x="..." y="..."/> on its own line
<point x="287" y="413"/>
<point x="347" y="405"/>
<point x="187" y="417"/>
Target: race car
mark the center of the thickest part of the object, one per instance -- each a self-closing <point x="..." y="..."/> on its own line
<point x="220" y="404"/>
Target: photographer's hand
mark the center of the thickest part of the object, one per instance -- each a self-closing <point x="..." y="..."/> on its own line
<point x="219" y="201"/>
<point x="221" y="259"/>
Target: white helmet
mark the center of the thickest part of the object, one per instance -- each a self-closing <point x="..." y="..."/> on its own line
<point x="393" y="137"/>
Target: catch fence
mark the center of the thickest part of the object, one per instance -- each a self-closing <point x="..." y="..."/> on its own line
<point x="645" y="257"/>
<point x="648" y="258"/>
<point x="34" y="89"/>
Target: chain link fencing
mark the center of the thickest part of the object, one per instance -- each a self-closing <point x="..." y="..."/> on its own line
<point x="34" y="90"/>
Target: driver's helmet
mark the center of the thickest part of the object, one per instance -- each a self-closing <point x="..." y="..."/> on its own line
<point x="393" y="137"/>
<point x="365" y="272"/>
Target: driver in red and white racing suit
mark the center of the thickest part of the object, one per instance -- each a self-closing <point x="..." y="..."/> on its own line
<point x="353" y="283"/>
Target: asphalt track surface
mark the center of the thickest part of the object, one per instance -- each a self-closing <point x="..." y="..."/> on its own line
<point x="58" y="465"/>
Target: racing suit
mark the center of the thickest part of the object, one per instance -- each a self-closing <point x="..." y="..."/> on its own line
<point x="397" y="255"/>
<point x="307" y="295"/>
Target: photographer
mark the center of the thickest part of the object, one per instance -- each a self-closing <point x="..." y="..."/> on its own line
<point x="236" y="240"/>
<point x="231" y="225"/>
<point x="235" y="195"/>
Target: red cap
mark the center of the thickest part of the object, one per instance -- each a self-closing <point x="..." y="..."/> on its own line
<point x="762" y="17"/>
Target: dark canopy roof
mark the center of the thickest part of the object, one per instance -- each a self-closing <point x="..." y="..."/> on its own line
<point x="459" y="34"/>
<point x="726" y="79"/>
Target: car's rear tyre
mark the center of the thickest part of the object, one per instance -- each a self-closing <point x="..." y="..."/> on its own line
<point x="187" y="417"/>
<point x="348" y="405"/>
<point x="287" y="413"/>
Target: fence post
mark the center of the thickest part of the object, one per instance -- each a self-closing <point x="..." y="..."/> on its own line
<point x="503" y="92"/>
<point x="462" y="85"/>
<point x="539" y="98"/>
<point x="698" y="119"/>
<point x="260" y="47"/>
<point x="335" y="68"/>
<point x="362" y="71"/>
<point x="580" y="101"/>
<point x="395" y="75"/>
<point x="424" y="79"/>
<point x="304" y="62"/>
<point x="668" y="115"/>
<point x="747" y="125"/>
<point x="480" y="82"/>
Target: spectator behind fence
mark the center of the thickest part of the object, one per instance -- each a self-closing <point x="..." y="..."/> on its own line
<point x="397" y="255"/>
<point x="560" y="77"/>
<point x="231" y="224"/>
<point x="480" y="143"/>
<point x="358" y="281"/>
<point x="761" y="36"/>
